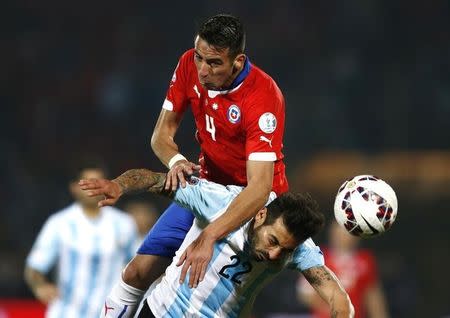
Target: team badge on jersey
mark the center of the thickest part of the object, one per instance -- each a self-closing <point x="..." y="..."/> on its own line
<point x="267" y="123"/>
<point x="192" y="180"/>
<point x="234" y="114"/>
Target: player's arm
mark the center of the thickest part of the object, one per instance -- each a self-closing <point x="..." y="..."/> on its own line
<point x="42" y="288"/>
<point x="162" y="141"/>
<point x="242" y="208"/>
<point x="132" y="181"/>
<point x="165" y="148"/>
<point x="247" y="203"/>
<point x="375" y="302"/>
<point x="330" y="290"/>
<point x="308" y="296"/>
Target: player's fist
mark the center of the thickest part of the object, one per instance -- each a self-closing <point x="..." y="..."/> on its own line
<point x="109" y="189"/>
<point x="179" y="172"/>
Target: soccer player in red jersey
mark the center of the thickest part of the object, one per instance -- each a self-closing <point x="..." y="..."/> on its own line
<point x="239" y="114"/>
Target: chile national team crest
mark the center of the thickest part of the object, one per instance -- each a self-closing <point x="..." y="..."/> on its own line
<point x="234" y="114"/>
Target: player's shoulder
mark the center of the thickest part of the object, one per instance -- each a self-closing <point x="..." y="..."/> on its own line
<point x="116" y="213"/>
<point x="188" y="54"/>
<point x="203" y="188"/>
<point x="261" y="91"/>
<point x="203" y="184"/>
<point x="264" y="81"/>
<point x="309" y="244"/>
<point x="187" y="59"/>
<point x="64" y="214"/>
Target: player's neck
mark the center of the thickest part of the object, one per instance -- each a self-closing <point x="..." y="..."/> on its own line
<point x="91" y="211"/>
<point x="238" y="76"/>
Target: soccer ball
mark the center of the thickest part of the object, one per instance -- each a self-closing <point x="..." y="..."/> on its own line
<point x="365" y="206"/>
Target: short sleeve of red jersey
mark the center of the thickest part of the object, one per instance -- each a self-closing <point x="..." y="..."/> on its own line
<point x="264" y="125"/>
<point x="176" y="97"/>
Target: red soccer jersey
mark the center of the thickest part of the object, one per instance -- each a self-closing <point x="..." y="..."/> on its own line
<point x="243" y="123"/>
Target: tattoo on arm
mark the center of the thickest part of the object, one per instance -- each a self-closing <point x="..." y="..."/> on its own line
<point x="318" y="275"/>
<point x="141" y="180"/>
<point x="329" y="288"/>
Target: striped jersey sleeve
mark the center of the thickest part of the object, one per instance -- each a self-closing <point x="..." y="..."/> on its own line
<point x="44" y="252"/>
<point x="307" y="255"/>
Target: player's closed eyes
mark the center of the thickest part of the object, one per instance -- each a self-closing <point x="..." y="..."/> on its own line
<point x="273" y="241"/>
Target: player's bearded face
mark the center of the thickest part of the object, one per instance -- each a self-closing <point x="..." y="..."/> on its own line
<point x="256" y="250"/>
<point x="215" y="68"/>
<point x="270" y="242"/>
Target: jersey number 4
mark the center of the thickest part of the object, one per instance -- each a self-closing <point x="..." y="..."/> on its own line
<point x="247" y="267"/>
<point x="210" y="126"/>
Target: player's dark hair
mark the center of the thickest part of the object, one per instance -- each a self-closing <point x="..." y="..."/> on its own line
<point x="83" y="162"/>
<point x="300" y="214"/>
<point x="224" y="31"/>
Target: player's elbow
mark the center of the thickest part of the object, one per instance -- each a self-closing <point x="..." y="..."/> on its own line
<point x="157" y="143"/>
<point x="154" y="141"/>
<point x="343" y="306"/>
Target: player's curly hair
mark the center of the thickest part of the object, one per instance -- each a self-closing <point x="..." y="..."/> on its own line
<point x="224" y="31"/>
<point x="300" y="213"/>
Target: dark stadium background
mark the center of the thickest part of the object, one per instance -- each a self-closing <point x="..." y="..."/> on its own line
<point x="367" y="86"/>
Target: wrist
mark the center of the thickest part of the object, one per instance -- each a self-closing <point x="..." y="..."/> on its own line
<point x="175" y="159"/>
<point x="120" y="186"/>
<point x="210" y="234"/>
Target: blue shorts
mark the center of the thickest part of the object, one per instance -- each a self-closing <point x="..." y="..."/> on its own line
<point x="168" y="233"/>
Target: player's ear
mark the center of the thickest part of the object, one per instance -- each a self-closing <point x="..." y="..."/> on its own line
<point x="239" y="61"/>
<point x="73" y="187"/>
<point x="260" y="217"/>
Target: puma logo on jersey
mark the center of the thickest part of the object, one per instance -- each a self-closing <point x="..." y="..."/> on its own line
<point x="196" y="90"/>
<point x="269" y="141"/>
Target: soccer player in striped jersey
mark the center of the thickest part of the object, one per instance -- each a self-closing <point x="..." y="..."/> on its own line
<point x="244" y="261"/>
<point x="87" y="245"/>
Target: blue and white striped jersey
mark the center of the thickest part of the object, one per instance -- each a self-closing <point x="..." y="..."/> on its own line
<point x="89" y="254"/>
<point x="233" y="279"/>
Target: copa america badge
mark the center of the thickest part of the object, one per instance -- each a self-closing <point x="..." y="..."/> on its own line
<point x="234" y="114"/>
<point x="267" y="123"/>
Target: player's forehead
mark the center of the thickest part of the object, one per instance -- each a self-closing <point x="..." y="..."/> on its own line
<point x="208" y="51"/>
<point x="92" y="173"/>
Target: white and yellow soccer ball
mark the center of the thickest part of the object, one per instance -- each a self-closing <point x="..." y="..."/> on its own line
<point x="365" y="206"/>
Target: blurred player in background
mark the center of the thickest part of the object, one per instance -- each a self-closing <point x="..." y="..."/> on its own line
<point x="357" y="271"/>
<point x="239" y="113"/>
<point x="87" y="245"/>
<point x="244" y="261"/>
<point x="144" y="214"/>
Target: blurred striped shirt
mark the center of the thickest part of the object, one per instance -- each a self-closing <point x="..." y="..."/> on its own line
<point x="89" y="254"/>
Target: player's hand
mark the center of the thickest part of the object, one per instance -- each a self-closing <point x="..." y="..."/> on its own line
<point x="46" y="292"/>
<point x="109" y="189"/>
<point x="196" y="257"/>
<point x="179" y="173"/>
